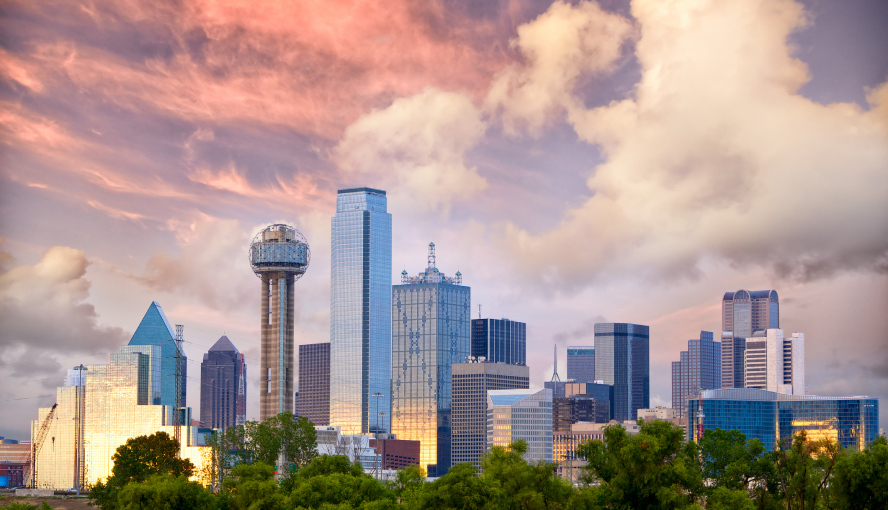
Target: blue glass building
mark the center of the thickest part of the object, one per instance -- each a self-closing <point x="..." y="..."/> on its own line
<point x="622" y="360"/>
<point x="430" y="332"/>
<point x="360" y="311"/>
<point x="698" y="368"/>
<point x="500" y="341"/>
<point x="581" y="363"/>
<point x="774" y="418"/>
<point x="155" y="329"/>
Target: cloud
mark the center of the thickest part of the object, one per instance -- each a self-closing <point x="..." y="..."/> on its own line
<point x="417" y="147"/>
<point x="718" y="155"/>
<point x="561" y="45"/>
<point x="43" y="306"/>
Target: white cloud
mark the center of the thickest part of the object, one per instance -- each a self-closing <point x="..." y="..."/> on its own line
<point x="416" y="148"/>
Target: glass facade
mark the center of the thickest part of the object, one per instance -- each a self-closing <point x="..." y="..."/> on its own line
<point x="698" y="368"/>
<point x="499" y="341"/>
<point x="774" y="418"/>
<point x="581" y="363"/>
<point x="430" y="332"/>
<point x="743" y="314"/>
<point x="622" y="360"/>
<point x="521" y="414"/>
<point x="223" y="386"/>
<point x="314" y="383"/>
<point x="155" y="329"/>
<point x="360" y="311"/>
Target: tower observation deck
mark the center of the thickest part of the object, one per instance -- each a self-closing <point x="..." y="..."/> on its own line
<point x="279" y="255"/>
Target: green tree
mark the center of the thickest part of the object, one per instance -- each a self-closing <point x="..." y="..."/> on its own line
<point x="460" y="488"/>
<point x="860" y="480"/>
<point x="334" y="480"/>
<point x="523" y="484"/>
<point x="135" y="461"/>
<point x="408" y="483"/>
<point x="732" y="462"/>
<point x="165" y="492"/>
<point x="804" y="469"/>
<point x="284" y="433"/>
<point x="654" y="469"/>
<point x="252" y="487"/>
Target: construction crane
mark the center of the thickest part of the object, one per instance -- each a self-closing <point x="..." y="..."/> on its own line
<point x="38" y="444"/>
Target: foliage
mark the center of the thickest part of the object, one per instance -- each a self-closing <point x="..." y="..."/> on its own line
<point x="654" y="469"/>
<point x="861" y="480"/>
<point x="165" y="492"/>
<point x="252" y="487"/>
<point x="333" y="480"/>
<point x="804" y="469"/>
<point x="137" y="460"/>
<point x="460" y="488"/>
<point x="27" y="506"/>
<point x="523" y="484"/>
<point x="408" y="483"/>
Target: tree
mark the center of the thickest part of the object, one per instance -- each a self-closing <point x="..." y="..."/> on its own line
<point x="165" y="492"/>
<point x="408" y="483"/>
<point x="252" y="487"/>
<point x="654" y="469"/>
<point x="459" y="489"/>
<point x="334" y="480"/>
<point x="732" y="462"/>
<point x="860" y="480"/>
<point x="137" y="460"/>
<point x="804" y="469"/>
<point x="523" y="484"/>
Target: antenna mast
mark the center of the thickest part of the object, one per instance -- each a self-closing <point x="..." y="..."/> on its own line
<point x="431" y="255"/>
<point x="177" y="420"/>
<point x="555" y="375"/>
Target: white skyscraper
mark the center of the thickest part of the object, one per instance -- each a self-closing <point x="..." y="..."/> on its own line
<point x="774" y="363"/>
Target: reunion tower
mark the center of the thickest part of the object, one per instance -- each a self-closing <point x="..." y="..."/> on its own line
<point x="279" y="256"/>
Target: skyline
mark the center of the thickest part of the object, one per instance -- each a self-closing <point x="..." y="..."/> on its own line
<point x="139" y="161"/>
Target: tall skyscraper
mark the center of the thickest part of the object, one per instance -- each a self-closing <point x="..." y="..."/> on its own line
<point x="360" y="311"/>
<point x="471" y="381"/>
<point x="223" y="386"/>
<point x="314" y="383"/>
<point x="500" y="340"/>
<point x="430" y="332"/>
<point x="279" y="256"/>
<point x="581" y="363"/>
<point x="698" y="368"/>
<point x="622" y="360"/>
<point x="155" y="329"/>
<point x="743" y="314"/>
<point x="775" y="363"/>
<point x="521" y="414"/>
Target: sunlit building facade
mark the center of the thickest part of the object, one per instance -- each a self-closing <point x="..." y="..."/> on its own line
<point x="622" y="360"/>
<point x="521" y="414"/>
<point x="155" y="329"/>
<point x="430" y="332"/>
<point x="360" y="311"/>
<point x="103" y="407"/>
<point x="774" y="418"/>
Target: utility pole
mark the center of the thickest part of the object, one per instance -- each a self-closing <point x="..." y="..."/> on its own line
<point x="180" y="337"/>
<point x="376" y="396"/>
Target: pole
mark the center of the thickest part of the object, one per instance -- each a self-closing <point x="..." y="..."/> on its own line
<point x="376" y="461"/>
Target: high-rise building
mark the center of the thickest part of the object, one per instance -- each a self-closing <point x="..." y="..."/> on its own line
<point x="155" y="329"/>
<point x="223" y="386"/>
<point x="622" y="360"/>
<point x="471" y="382"/>
<point x="279" y="256"/>
<point x="743" y="314"/>
<point x="521" y="414"/>
<point x="499" y="341"/>
<point x="581" y="363"/>
<point x="698" y="368"/>
<point x="430" y="332"/>
<point x="602" y="393"/>
<point x="314" y="383"/>
<point x="775" y="363"/>
<point x="360" y="311"/>
<point x="770" y="417"/>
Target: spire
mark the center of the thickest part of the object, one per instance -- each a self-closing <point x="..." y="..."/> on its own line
<point x="431" y="255"/>
<point x="555" y="375"/>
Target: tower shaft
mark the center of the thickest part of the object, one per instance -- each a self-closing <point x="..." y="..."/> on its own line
<point x="276" y="370"/>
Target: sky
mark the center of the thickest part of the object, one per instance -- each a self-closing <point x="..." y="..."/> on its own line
<point x="577" y="162"/>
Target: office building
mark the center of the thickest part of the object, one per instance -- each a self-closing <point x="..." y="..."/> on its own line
<point x="279" y="255"/>
<point x="774" y="363"/>
<point x="107" y="405"/>
<point x="15" y="463"/>
<point x="521" y="414"/>
<point x="314" y="383"/>
<point x="773" y="417"/>
<point x="576" y="409"/>
<point x="622" y="360"/>
<point x="743" y="314"/>
<point x="471" y="382"/>
<point x="581" y="363"/>
<point x="155" y="329"/>
<point x="602" y="393"/>
<point x="565" y="444"/>
<point x="394" y="454"/>
<point x="360" y="311"/>
<point x="430" y="332"/>
<point x="698" y="368"/>
<point x="499" y="341"/>
<point x="223" y="386"/>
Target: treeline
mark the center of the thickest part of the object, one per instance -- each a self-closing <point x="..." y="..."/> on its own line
<point x="654" y="469"/>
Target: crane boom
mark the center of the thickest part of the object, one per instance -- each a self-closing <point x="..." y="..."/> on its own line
<point x="38" y="444"/>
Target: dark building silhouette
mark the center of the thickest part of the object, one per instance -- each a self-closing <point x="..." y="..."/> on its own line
<point x="223" y="385"/>
<point x="622" y="360"/>
<point x="581" y="363"/>
<point x="314" y="383"/>
<point x="499" y="341"/>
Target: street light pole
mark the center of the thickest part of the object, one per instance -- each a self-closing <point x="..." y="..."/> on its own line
<point x="375" y="464"/>
<point x="378" y="456"/>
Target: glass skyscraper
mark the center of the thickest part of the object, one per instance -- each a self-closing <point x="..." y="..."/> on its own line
<point x="774" y="418"/>
<point x="521" y="414"/>
<point x="430" y="332"/>
<point x="223" y="386"/>
<point x="581" y="363"/>
<point x="744" y="313"/>
<point x="155" y="329"/>
<point x="622" y="360"/>
<point x="698" y="368"/>
<point x="500" y="341"/>
<point x="360" y="311"/>
<point x="314" y="383"/>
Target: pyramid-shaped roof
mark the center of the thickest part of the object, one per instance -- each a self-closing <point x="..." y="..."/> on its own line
<point x="154" y="328"/>
<point x="224" y="345"/>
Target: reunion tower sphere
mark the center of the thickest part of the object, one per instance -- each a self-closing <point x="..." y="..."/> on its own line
<point x="279" y="248"/>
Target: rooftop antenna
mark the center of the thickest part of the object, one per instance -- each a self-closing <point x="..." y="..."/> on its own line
<point x="431" y="255"/>
<point x="479" y="310"/>
<point x="555" y="375"/>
